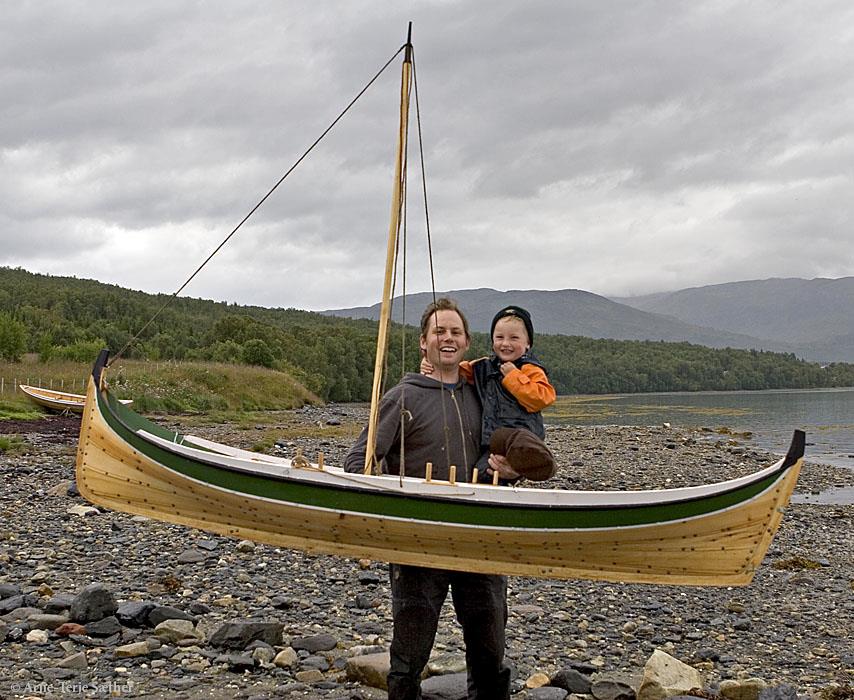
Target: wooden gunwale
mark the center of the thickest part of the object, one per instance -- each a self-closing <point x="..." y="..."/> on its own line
<point x="356" y="498"/>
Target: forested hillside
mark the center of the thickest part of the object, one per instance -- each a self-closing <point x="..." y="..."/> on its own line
<point x="69" y="318"/>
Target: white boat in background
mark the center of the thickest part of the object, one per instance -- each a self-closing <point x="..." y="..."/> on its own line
<point x="57" y="400"/>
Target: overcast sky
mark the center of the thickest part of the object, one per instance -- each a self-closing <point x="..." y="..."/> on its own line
<point x="616" y="147"/>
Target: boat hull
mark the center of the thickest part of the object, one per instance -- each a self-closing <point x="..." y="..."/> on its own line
<point x="57" y="400"/>
<point x="54" y="400"/>
<point x="717" y="543"/>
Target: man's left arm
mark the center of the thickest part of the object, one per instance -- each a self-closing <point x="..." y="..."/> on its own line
<point x="388" y="429"/>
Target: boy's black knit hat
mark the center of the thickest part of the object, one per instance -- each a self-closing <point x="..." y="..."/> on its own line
<point x="517" y="312"/>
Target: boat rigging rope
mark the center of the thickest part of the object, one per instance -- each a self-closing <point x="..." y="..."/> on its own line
<point x="404" y="413"/>
<point x="401" y="257"/>
<point x="443" y="390"/>
<point x="299" y="160"/>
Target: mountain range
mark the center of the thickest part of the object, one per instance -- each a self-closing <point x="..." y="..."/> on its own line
<point x="814" y="319"/>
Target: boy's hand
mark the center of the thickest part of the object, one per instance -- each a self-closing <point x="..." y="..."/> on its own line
<point x="426" y="367"/>
<point x="507" y="368"/>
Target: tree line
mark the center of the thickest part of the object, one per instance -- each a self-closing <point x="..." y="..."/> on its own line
<point x="72" y="319"/>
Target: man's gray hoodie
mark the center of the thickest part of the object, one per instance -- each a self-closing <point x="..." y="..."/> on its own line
<point x="427" y="409"/>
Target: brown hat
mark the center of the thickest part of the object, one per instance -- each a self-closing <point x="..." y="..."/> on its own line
<point x="527" y="454"/>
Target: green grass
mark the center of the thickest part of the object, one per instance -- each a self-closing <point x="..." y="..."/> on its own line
<point x="18" y="408"/>
<point x="796" y="563"/>
<point x="11" y="443"/>
<point x="166" y="387"/>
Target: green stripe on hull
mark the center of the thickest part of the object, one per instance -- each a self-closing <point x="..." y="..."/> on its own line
<point x="440" y="510"/>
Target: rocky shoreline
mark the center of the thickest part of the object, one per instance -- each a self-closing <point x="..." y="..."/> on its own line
<point x="166" y="611"/>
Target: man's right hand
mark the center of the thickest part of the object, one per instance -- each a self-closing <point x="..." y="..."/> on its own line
<point x="499" y="463"/>
<point x="426" y="367"/>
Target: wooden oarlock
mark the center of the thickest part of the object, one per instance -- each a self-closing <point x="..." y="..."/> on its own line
<point x="299" y="461"/>
<point x="452" y="474"/>
<point x="320" y="460"/>
<point x="428" y="472"/>
<point x="474" y="475"/>
<point x="495" y="478"/>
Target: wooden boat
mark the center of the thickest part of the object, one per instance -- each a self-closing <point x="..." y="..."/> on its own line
<point x="714" y="534"/>
<point x="57" y="400"/>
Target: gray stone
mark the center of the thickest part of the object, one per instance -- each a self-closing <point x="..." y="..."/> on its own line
<point x="58" y="674"/>
<point x="7" y="605"/>
<point x="134" y="613"/>
<point x="315" y="661"/>
<point x="58" y="603"/>
<point x="43" y="621"/>
<point x="94" y="602"/>
<point x="77" y="660"/>
<point x="747" y="689"/>
<point x="175" y="631"/>
<point x="161" y="613"/>
<point x="608" y="689"/>
<point x="83" y="511"/>
<point x="237" y="635"/>
<point x="369" y="669"/>
<point x="131" y="650"/>
<point x="265" y="654"/>
<point x="7" y="590"/>
<point x="583" y="667"/>
<point x="103" y="628"/>
<point x="236" y="662"/>
<point x="442" y="664"/>
<point x="311" y="675"/>
<point x="572" y="681"/>
<point x="664" y="676"/>
<point x="547" y="692"/>
<point x="453" y="686"/>
<point x="315" y="643"/>
<point x="37" y="636"/>
<point x="286" y="658"/>
<point x="20" y="614"/>
<point x="191" y="556"/>
<point x="197" y="608"/>
<point x="779" y="692"/>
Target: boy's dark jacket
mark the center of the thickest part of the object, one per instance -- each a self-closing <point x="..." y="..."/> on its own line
<point x="500" y="407"/>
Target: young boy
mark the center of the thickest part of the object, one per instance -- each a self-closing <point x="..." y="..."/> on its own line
<point x="513" y="388"/>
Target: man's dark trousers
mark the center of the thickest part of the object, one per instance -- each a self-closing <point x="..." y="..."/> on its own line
<point x="480" y="603"/>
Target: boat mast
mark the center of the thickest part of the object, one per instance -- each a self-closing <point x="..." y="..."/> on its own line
<point x="393" y="230"/>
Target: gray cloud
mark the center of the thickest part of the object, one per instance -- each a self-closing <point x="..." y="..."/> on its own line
<point x="621" y="148"/>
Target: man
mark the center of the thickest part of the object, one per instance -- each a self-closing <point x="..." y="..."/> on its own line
<point x="442" y="417"/>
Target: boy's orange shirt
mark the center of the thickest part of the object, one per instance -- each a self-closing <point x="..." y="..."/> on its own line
<point x="529" y="385"/>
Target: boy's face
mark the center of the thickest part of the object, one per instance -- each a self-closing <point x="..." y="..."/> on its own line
<point x="510" y="339"/>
